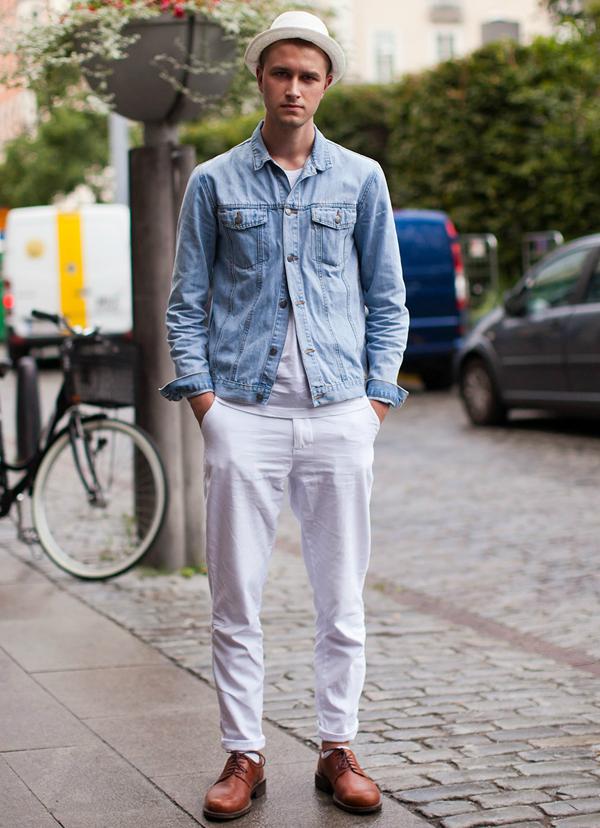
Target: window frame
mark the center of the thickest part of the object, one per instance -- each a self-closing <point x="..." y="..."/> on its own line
<point x="593" y="272"/>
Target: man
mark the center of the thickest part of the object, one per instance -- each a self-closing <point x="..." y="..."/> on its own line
<point x="289" y="375"/>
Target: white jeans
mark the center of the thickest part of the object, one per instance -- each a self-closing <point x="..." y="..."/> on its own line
<point x="328" y="463"/>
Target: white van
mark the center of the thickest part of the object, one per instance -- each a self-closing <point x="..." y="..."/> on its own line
<point x="77" y="264"/>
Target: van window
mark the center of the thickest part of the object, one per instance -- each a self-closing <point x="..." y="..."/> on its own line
<point x="423" y="243"/>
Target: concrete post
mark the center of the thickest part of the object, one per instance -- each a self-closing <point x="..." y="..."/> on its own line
<point x="184" y="161"/>
<point x="118" y="139"/>
<point x="152" y="196"/>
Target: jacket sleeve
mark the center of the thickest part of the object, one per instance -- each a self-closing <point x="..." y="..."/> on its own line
<point x="383" y="290"/>
<point x="187" y="312"/>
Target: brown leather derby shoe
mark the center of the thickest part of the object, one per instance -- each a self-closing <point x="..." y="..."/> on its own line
<point x="341" y="775"/>
<point x="242" y="780"/>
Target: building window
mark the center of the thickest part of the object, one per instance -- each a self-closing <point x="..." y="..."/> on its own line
<point x="499" y="30"/>
<point x="445" y="45"/>
<point x="445" y="11"/>
<point x="384" y="57"/>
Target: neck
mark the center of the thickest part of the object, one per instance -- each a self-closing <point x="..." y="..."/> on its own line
<point x="289" y="147"/>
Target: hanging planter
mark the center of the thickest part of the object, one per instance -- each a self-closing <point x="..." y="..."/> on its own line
<point x="173" y="69"/>
<point x="149" y="60"/>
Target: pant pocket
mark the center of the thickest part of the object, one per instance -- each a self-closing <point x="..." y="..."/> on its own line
<point x="209" y="413"/>
<point x="374" y="417"/>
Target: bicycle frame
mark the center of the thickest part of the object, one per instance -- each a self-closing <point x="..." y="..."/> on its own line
<point x="10" y="494"/>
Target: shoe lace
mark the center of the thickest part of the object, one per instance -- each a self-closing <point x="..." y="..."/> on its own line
<point x="237" y="765"/>
<point x="346" y="760"/>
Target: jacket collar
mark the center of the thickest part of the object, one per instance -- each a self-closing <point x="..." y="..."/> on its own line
<point x="319" y="158"/>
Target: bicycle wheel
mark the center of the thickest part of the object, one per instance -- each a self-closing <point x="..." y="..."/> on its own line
<point x="101" y="533"/>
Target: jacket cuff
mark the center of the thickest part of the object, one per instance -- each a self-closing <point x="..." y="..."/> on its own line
<point x="187" y="386"/>
<point x="386" y="392"/>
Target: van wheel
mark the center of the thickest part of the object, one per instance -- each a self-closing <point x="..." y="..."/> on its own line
<point x="438" y="378"/>
<point x="15" y="352"/>
<point x="480" y="397"/>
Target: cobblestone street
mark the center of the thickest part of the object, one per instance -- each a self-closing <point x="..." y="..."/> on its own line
<point x="482" y="700"/>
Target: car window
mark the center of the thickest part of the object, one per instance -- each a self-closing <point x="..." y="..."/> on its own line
<point x="593" y="291"/>
<point x="555" y="282"/>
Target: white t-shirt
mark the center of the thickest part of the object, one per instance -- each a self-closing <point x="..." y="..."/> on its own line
<point x="290" y="395"/>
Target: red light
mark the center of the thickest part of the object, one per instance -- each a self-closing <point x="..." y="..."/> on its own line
<point x="451" y="229"/>
<point x="460" y="281"/>
<point x="456" y="256"/>
<point x="8" y="300"/>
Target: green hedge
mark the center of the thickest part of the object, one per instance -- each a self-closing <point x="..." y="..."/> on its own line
<point x="506" y="140"/>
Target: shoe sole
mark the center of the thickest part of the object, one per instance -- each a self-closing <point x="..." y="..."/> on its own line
<point x="259" y="790"/>
<point x="323" y="784"/>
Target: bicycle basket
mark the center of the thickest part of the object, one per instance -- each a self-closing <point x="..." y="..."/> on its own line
<point x="100" y="371"/>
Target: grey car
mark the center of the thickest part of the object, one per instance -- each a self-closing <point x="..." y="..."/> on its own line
<point x="541" y="349"/>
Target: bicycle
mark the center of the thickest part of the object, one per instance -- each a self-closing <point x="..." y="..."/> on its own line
<point x="97" y="484"/>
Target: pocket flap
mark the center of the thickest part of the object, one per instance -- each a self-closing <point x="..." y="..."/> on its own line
<point x="335" y="217"/>
<point x="243" y="217"/>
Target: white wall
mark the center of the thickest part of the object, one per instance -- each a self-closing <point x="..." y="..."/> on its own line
<point x="366" y="26"/>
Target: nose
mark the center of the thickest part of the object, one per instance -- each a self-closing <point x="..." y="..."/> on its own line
<point x="293" y="90"/>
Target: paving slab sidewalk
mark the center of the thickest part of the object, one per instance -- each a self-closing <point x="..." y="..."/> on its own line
<point x="100" y="730"/>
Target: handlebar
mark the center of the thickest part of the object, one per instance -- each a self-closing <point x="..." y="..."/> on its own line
<point x="61" y="321"/>
<point x="49" y="317"/>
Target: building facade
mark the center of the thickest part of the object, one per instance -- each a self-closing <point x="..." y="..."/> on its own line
<point x="17" y="106"/>
<point x="386" y="39"/>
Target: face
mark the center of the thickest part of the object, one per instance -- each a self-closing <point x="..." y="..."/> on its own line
<point x="293" y="80"/>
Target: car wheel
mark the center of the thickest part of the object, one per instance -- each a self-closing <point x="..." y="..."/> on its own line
<point x="479" y="394"/>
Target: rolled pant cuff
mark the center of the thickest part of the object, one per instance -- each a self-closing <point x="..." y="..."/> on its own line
<point x="241" y="744"/>
<point x="327" y="736"/>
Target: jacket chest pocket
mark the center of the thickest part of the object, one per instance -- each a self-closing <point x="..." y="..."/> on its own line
<point x="330" y="228"/>
<point x="245" y="229"/>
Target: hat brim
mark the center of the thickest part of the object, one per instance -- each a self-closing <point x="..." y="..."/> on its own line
<point x="332" y="49"/>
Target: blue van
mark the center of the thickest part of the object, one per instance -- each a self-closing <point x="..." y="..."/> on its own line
<point x="436" y="294"/>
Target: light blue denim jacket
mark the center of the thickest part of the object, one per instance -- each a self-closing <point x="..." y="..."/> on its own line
<point x="250" y="249"/>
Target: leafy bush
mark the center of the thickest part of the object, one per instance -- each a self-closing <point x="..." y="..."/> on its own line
<point x="506" y="141"/>
<point x="69" y="146"/>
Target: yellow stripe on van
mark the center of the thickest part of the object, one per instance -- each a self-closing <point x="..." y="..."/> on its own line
<point x="70" y="268"/>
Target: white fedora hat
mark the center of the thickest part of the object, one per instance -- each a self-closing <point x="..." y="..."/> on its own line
<point x="297" y="24"/>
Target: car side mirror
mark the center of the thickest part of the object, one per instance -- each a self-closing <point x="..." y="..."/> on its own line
<point x="515" y="304"/>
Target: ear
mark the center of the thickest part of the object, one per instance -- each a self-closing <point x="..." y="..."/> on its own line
<point x="328" y="81"/>
<point x="259" y="77"/>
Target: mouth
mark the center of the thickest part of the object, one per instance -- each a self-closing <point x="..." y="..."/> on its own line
<point x="291" y="107"/>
